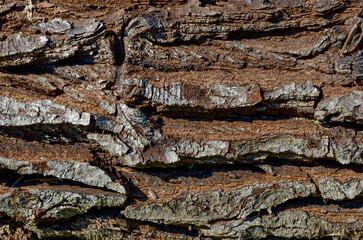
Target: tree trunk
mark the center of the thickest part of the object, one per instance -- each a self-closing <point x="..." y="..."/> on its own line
<point x="200" y="119"/>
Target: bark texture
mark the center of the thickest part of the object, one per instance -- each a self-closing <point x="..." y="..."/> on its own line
<point x="199" y="119"/>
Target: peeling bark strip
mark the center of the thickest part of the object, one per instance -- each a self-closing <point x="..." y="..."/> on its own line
<point x="181" y="119"/>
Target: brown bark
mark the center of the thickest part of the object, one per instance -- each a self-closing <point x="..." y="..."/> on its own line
<point x="181" y="119"/>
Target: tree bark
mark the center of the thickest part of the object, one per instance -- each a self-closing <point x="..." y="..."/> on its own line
<point x="200" y="119"/>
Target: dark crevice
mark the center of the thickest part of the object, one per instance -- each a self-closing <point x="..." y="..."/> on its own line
<point x="93" y="213"/>
<point x="235" y="114"/>
<point x="171" y="229"/>
<point x="336" y="165"/>
<point x="117" y="47"/>
<point x="260" y="111"/>
<point x="247" y="159"/>
<point x="64" y="133"/>
<point x="243" y="34"/>
<point x="11" y="178"/>
<point x="126" y="226"/>
<point x="29" y="84"/>
<point x="39" y="69"/>
<point x="36" y="69"/>
<point x="205" y="3"/>
<point x="332" y="205"/>
<point x="201" y="171"/>
<point x="197" y="171"/>
<point x="247" y="113"/>
<point x="347" y="125"/>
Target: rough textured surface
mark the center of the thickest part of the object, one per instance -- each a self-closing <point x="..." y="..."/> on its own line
<point x="299" y="222"/>
<point x="188" y="119"/>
